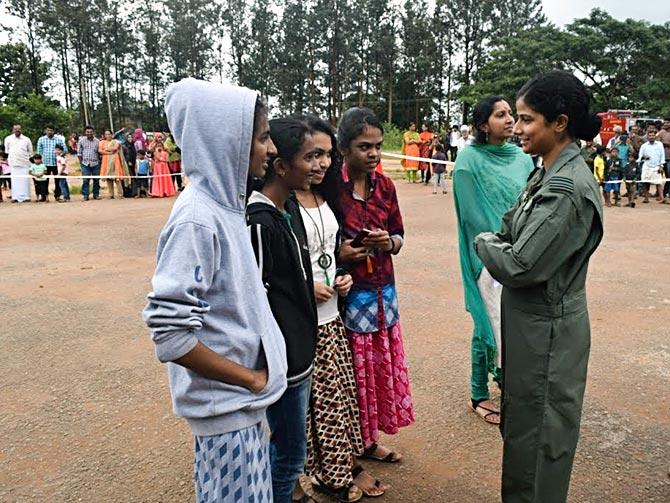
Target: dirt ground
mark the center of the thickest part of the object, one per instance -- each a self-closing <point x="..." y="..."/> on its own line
<point x="84" y="405"/>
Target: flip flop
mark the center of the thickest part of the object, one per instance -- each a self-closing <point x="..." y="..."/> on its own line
<point x="486" y="416"/>
<point x="391" y="457"/>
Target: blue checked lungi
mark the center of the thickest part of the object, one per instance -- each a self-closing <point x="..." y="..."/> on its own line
<point x="233" y="467"/>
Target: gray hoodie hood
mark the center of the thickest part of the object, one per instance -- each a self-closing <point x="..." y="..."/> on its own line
<point x="215" y="145"/>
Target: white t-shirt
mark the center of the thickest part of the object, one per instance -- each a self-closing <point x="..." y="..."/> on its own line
<point x="316" y="234"/>
<point x="19" y="150"/>
<point x="463" y="142"/>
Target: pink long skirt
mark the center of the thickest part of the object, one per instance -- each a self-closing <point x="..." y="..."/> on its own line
<point x="382" y="381"/>
<point x="162" y="186"/>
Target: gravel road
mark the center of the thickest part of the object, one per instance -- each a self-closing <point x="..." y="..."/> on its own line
<point x="84" y="405"/>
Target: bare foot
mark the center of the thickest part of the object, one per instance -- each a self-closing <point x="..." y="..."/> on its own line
<point x="370" y="486"/>
<point x="378" y="452"/>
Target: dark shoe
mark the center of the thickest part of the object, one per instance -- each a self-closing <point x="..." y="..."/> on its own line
<point x="96" y="197"/>
<point x="85" y="198"/>
<point x="15" y="201"/>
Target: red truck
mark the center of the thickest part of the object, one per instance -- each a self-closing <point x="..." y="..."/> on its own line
<point x="625" y="119"/>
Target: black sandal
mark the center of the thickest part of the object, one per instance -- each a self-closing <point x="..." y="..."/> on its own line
<point x="358" y="469"/>
<point x="343" y="494"/>
<point x="391" y="457"/>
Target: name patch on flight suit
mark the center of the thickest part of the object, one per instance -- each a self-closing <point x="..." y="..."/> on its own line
<point x="561" y="184"/>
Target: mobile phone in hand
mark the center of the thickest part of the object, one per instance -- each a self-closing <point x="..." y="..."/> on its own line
<point x="357" y="242"/>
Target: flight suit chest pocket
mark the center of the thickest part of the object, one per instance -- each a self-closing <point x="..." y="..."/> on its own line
<point x="523" y="214"/>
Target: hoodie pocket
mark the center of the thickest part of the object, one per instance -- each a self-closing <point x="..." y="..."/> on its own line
<point x="274" y="353"/>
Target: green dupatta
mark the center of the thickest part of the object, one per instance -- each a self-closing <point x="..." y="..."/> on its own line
<point x="487" y="182"/>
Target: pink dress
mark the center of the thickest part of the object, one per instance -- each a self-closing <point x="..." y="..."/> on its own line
<point x="161" y="182"/>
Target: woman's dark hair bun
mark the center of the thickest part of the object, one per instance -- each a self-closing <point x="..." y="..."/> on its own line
<point x="589" y="128"/>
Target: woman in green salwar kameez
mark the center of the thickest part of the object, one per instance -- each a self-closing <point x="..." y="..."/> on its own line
<point x="488" y="178"/>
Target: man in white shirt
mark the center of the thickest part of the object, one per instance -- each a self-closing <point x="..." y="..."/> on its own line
<point x="453" y="138"/>
<point x="652" y="157"/>
<point x="19" y="149"/>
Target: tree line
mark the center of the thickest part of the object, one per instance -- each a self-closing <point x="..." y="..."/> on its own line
<point x="110" y="62"/>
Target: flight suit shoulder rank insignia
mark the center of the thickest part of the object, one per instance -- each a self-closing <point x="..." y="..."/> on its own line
<point x="561" y="184"/>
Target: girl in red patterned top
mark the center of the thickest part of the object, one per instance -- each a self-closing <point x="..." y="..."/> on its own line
<point x="368" y="201"/>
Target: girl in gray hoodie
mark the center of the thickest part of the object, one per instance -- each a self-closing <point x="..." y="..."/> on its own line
<point x="208" y="312"/>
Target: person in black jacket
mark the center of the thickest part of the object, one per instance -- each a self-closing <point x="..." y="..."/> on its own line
<point x="280" y="243"/>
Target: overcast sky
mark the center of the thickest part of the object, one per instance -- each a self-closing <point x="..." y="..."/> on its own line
<point x="562" y="12"/>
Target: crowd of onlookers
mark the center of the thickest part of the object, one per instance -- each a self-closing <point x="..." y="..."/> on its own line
<point x="638" y="160"/>
<point x="139" y="164"/>
<point x="133" y="164"/>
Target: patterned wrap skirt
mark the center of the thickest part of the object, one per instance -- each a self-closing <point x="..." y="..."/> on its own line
<point x="333" y="428"/>
<point x="382" y="382"/>
<point x="233" y="467"/>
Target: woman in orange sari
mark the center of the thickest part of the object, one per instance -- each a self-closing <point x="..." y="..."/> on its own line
<point x="113" y="165"/>
<point x="410" y="146"/>
<point x="425" y="148"/>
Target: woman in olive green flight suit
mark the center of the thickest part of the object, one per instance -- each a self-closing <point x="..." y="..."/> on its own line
<point x="541" y="257"/>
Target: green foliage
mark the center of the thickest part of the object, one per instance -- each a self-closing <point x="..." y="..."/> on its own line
<point x="15" y="72"/>
<point x="405" y="60"/>
<point x="34" y="113"/>
<point x="392" y="137"/>
<point x="516" y="59"/>
<point x="615" y="57"/>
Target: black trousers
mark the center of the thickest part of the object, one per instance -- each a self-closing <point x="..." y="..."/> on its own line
<point x="53" y="170"/>
<point x="177" y="178"/>
<point x="453" y="151"/>
<point x="42" y="189"/>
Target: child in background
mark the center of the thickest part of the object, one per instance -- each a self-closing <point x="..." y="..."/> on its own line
<point x="37" y="170"/>
<point x="631" y="176"/>
<point x="623" y="148"/>
<point x="599" y="165"/>
<point x="614" y="172"/>
<point x="439" y="169"/>
<point x="61" y="167"/>
<point x="142" y="170"/>
<point x="6" y="171"/>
